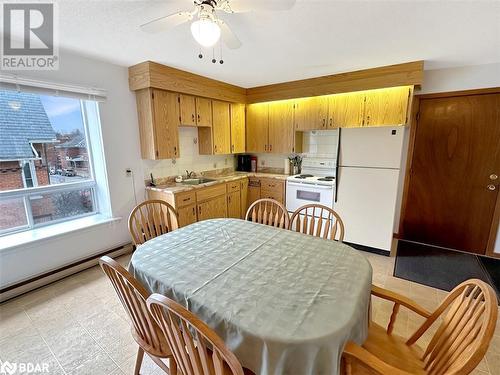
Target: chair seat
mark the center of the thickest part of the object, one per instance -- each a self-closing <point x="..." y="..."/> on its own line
<point x="392" y="350"/>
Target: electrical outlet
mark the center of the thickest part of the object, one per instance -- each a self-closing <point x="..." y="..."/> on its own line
<point x="128" y="172"/>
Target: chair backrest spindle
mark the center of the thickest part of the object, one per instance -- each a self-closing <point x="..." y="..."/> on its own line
<point x="268" y="212"/>
<point x="325" y="224"/>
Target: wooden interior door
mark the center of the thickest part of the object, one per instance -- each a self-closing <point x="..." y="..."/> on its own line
<point x="257" y="126"/>
<point x="221" y="125"/>
<point x="346" y="110"/>
<point x="385" y="107"/>
<point x="452" y="187"/>
<point x="237" y="128"/>
<point x="281" y="127"/>
<point x="166" y="123"/>
<point x="311" y="113"/>
<point x="187" y="104"/>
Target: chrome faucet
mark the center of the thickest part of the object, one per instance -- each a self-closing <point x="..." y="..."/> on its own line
<point x="190" y="174"/>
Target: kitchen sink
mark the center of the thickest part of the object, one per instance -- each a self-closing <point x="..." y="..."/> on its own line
<point x="196" y="181"/>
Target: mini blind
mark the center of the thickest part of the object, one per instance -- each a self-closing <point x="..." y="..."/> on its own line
<point x="16" y="83"/>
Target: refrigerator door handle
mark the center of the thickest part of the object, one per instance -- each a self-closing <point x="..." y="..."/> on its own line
<point x="337" y="169"/>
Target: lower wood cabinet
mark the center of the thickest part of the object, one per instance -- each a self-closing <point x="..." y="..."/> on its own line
<point x="234" y="205"/>
<point x="212" y="208"/>
<point x="187" y="215"/>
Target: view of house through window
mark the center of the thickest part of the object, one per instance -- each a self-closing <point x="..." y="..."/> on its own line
<point x="45" y="162"/>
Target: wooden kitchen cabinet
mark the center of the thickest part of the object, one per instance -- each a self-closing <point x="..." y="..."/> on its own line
<point x="346" y="110"/>
<point x="281" y="131"/>
<point x="234" y="205"/>
<point x="203" y="112"/>
<point x="187" y="215"/>
<point x="158" y="115"/>
<point x="257" y="121"/>
<point x="273" y="189"/>
<point x="237" y="128"/>
<point x="221" y="127"/>
<point x="386" y="106"/>
<point x="212" y="208"/>
<point x="187" y="108"/>
<point x="311" y="113"/>
<point x="253" y="191"/>
<point x="243" y="196"/>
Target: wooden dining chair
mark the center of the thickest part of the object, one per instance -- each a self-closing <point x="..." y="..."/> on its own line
<point x="269" y="212"/>
<point x="196" y="348"/>
<point x="151" y="219"/>
<point x="145" y="331"/>
<point x="319" y="221"/>
<point x="469" y="315"/>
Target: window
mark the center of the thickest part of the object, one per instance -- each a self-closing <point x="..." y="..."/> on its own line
<point x="46" y="163"/>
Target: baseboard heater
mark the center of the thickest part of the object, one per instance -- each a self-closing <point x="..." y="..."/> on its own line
<point x="36" y="282"/>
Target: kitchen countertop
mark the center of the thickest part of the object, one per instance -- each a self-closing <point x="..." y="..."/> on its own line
<point x="174" y="187"/>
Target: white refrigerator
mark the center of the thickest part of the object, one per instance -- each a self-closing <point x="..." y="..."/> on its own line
<point x="367" y="180"/>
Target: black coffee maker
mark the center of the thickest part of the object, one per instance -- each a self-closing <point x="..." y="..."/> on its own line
<point x="244" y="163"/>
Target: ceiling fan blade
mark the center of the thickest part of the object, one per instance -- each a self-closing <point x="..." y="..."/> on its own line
<point x="227" y="35"/>
<point x="167" y="22"/>
<point x="239" y="6"/>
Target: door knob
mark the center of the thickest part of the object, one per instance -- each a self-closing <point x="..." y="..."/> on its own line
<point x="493" y="177"/>
<point x="491" y="187"/>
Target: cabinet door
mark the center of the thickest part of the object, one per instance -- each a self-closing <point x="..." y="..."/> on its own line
<point x="221" y="127"/>
<point x="244" y="196"/>
<point x="237" y="128"/>
<point x="234" y="205"/>
<point x="166" y="124"/>
<point x="311" y="113"/>
<point x="212" y="208"/>
<point x="281" y="127"/>
<point x="203" y="112"/>
<point x="346" y="110"/>
<point x="253" y="193"/>
<point x="386" y="106"/>
<point x="257" y="126"/>
<point x="187" y="106"/>
<point x="187" y="215"/>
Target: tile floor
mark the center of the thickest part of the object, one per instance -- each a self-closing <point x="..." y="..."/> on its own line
<point x="77" y="326"/>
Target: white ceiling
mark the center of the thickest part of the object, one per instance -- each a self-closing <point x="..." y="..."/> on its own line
<point x="314" y="38"/>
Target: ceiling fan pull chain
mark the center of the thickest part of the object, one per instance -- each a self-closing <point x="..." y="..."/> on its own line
<point x="221" y="61"/>
<point x="213" y="55"/>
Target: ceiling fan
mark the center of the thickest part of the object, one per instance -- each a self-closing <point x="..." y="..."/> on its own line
<point x="207" y="28"/>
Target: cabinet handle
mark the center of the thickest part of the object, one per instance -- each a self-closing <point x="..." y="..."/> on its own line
<point x="215" y="148"/>
<point x="270" y="148"/>
<point x="175" y="150"/>
<point x="324" y="122"/>
<point x="198" y="117"/>
<point x="199" y="210"/>
<point x="331" y="122"/>
<point x="192" y="117"/>
<point x="229" y="199"/>
<point x="232" y="148"/>
<point x="265" y="147"/>
<point x="194" y="212"/>
<point x="367" y="120"/>
<point x="186" y="199"/>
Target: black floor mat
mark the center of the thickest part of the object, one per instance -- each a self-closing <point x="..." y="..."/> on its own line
<point x="442" y="268"/>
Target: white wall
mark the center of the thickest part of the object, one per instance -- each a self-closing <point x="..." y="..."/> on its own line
<point x="461" y="78"/>
<point x="121" y="146"/>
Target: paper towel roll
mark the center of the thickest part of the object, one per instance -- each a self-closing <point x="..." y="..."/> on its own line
<point x="287" y="166"/>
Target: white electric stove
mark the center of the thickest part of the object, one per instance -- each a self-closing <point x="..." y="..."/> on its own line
<point x="316" y="184"/>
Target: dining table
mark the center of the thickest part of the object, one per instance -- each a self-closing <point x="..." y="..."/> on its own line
<point x="284" y="302"/>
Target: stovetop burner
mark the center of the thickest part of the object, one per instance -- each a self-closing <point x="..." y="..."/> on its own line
<point x="327" y="178"/>
<point x="304" y="176"/>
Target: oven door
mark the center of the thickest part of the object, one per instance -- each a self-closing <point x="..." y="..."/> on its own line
<point x="298" y="195"/>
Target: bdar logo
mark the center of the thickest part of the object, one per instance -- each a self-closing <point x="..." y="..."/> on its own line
<point x="7" y="367"/>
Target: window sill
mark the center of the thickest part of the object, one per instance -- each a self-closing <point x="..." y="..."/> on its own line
<point x="15" y="240"/>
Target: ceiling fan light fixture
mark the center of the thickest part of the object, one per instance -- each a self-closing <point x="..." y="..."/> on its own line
<point x="206" y="32"/>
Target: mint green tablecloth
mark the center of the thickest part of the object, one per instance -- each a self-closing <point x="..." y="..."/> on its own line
<point x="284" y="302"/>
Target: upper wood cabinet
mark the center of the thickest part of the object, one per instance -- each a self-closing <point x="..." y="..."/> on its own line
<point x="158" y="114"/>
<point x="386" y="106"/>
<point x="187" y="105"/>
<point x="237" y="128"/>
<point x="311" y="113"/>
<point x="221" y="127"/>
<point x="203" y="112"/>
<point x="346" y="110"/>
<point x="280" y="133"/>
<point x="257" y="127"/>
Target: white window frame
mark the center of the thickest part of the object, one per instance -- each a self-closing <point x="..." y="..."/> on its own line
<point x="27" y="193"/>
